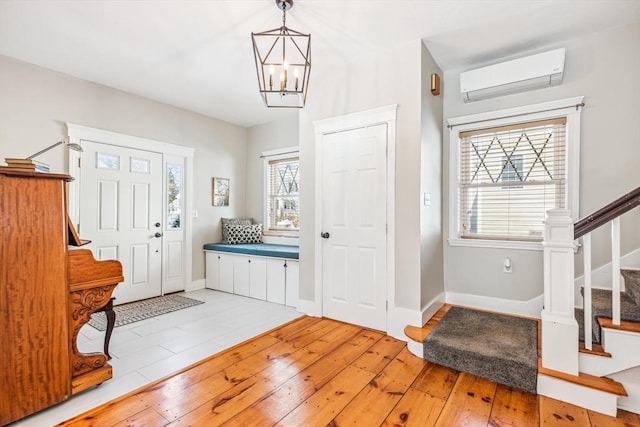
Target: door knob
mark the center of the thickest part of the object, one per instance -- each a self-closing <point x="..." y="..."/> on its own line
<point x="158" y="235"/>
<point x="157" y="224"/>
<point x="324" y="235"/>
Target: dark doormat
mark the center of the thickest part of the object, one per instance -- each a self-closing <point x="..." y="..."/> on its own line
<point x="498" y="347"/>
<point x="145" y="309"/>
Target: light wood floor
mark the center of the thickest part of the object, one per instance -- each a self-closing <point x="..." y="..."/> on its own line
<point x="320" y="372"/>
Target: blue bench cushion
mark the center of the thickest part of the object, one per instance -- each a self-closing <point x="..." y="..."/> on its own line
<point x="261" y="249"/>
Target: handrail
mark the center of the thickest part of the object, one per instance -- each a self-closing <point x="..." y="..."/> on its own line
<point x="607" y="213"/>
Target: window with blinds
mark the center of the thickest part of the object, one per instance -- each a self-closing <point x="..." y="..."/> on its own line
<point x="509" y="177"/>
<point x="283" y="195"/>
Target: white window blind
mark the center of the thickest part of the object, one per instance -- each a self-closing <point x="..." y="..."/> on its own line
<point x="283" y="194"/>
<point x="509" y="177"/>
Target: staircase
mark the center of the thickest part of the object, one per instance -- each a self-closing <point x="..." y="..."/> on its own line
<point x="600" y="372"/>
<point x="601" y="304"/>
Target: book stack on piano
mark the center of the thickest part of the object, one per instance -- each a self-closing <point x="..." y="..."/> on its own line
<point x="26" y="165"/>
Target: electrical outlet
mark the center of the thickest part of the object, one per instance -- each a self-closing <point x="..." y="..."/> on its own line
<point x="507" y="267"/>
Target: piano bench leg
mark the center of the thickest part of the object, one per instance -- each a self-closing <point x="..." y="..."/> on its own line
<point x="111" y="321"/>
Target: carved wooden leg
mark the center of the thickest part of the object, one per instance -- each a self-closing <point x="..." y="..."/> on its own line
<point x="111" y="321"/>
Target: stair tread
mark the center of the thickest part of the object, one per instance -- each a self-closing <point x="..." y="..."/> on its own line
<point x="599" y="383"/>
<point x="596" y="350"/>
<point x="625" y="325"/>
<point x="601" y="305"/>
<point x="418" y="334"/>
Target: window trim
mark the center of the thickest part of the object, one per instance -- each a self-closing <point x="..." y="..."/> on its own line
<point x="267" y="156"/>
<point x="569" y="108"/>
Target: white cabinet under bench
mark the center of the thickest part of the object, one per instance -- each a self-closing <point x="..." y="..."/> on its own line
<point x="263" y="271"/>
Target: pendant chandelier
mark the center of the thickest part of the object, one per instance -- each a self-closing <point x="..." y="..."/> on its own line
<point x="283" y="63"/>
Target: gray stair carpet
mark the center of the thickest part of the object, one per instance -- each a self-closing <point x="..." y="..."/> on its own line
<point x="601" y="307"/>
<point x="497" y="347"/>
<point x="632" y="284"/>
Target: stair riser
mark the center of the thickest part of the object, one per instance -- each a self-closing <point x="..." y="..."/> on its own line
<point x="631" y="380"/>
<point x="625" y="353"/>
<point x="632" y="284"/>
<point x="578" y="395"/>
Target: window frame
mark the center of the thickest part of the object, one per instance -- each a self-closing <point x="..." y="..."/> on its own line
<point x="268" y="156"/>
<point x="569" y="108"/>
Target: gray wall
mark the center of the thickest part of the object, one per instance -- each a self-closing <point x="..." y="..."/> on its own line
<point x="265" y="137"/>
<point x="604" y="67"/>
<point x="35" y="104"/>
<point x="371" y="83"/>
<point x="431" y="260"/>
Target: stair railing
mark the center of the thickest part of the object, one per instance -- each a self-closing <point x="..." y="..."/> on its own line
<point x="609" y="214"/>
<point x="559" y="327"/>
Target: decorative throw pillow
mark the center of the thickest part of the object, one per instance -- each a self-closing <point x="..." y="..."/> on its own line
<point x="232" y="221"/>
<point x="237" y="234"/>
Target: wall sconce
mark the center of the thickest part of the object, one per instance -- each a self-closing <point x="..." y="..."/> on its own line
<point x="435" y="84"/>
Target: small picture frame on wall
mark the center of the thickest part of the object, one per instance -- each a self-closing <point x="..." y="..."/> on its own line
<point x="220" y="192"/>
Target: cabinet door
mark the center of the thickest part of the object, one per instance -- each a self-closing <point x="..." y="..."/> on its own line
<point x="292" y="283"/>
<point x="241" y="275"/>
<point x="275" y="280"/>
<point x="225" y="272"/>
<point x="258" y="278"/>
<point x="212" y="280"/>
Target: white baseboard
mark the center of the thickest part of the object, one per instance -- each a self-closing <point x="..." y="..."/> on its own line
<point x="398" y="318"/>
<point x="196" y="285"/>
<point x="310" y="308"/>
<point x="432" y="308"/>
<point x="601" y="276"/>
<point x="531" y="308"/>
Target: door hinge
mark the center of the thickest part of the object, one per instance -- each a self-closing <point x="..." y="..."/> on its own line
<point x="386" y="305"/>
<point x="79" y="159"/>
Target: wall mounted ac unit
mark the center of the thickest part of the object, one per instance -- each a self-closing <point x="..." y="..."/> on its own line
<point x="531" y="72"/>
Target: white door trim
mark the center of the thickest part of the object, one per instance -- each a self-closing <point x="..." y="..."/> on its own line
<point x="76" y="133"/>
<point x="383" y="115"/>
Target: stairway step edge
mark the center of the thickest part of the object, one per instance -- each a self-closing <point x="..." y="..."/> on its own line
<point x="625" y="325"/>
<point x="604" y="384"/>
<point x="596" y="350"/>
<point x="416" y="333"/>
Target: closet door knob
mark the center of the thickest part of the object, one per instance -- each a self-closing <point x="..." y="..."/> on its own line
<point x="324" y="235"/>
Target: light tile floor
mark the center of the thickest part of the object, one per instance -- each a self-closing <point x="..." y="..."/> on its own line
<point x="151" y="349"/>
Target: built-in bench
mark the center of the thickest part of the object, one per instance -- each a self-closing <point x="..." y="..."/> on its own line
<point x="258" y="270"/>
<point x="261" y="249"/>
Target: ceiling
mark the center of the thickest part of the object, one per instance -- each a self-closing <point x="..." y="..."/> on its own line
<point x="197" y="55"/>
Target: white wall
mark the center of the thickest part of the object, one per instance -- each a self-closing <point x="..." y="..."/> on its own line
<point x="391" y="79"/>
<point x="35" y="104"/>
<point x="604" y="67"/>
<point x="269" y="136"/>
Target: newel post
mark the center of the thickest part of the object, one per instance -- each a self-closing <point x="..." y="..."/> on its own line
<point x="559" y="325"/>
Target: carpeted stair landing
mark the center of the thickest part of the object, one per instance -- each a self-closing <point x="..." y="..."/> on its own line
<point x="494" y="346"/>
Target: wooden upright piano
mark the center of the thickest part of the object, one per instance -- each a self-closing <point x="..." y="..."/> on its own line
<point x="47" y="293"/>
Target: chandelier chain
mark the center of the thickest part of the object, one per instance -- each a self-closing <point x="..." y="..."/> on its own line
<point x="284" y="15"/>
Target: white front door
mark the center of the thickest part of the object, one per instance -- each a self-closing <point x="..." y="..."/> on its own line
<point x="121" y="213"/>
<point x="354" y="260"/>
